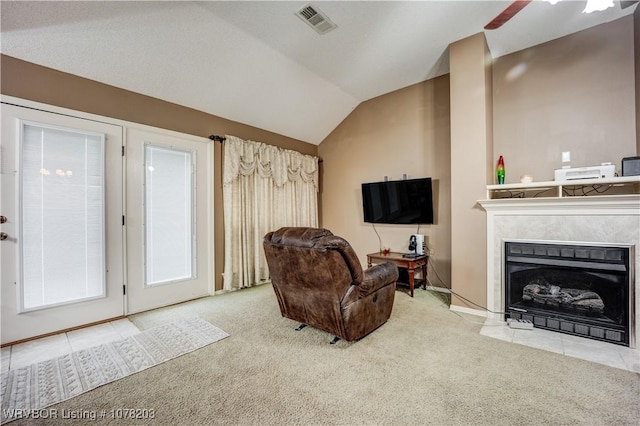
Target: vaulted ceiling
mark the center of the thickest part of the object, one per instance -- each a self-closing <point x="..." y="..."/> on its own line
<point x="256" y="63"/>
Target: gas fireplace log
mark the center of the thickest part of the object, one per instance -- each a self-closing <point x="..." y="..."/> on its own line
<point x="542" y="293"/>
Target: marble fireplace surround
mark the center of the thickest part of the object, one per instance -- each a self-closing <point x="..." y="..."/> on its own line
<point x="611" y="219"/>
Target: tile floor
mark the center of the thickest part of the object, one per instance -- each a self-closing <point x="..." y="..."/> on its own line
<point x="34" y="351"/>
<point x="591" y="350"/>
<point x="27" y="353"/>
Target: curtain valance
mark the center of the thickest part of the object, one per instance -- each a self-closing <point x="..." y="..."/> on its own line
<point x="264" y="188"/>
<point x="247" y="158"/>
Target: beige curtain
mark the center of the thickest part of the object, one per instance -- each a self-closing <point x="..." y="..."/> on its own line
<point x="264" y="188"/>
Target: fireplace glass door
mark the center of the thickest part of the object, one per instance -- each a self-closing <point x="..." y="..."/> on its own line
<point x="574" y="289"/>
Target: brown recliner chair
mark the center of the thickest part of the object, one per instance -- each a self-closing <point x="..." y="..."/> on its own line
<point x="318" y="281"/>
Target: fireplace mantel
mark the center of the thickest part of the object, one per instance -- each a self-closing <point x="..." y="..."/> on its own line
<point x="586" y="205"/>
<point x="602" y="219"/>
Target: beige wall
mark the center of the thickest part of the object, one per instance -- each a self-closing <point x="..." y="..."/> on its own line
<point x="575" y="94"/>
<point x="636" y="39"/>
<point x="471" y="166"/>
<point x="33" y="82"/>
<point x="403" y="132"/>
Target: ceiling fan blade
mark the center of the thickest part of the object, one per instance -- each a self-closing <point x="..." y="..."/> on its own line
<point x="626" y="3"/>
<point x="507" y="14"/>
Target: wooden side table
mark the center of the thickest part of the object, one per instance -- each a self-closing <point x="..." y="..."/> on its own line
<point x="408" y="263"/>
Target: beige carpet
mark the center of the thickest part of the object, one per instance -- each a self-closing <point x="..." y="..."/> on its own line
<point x="28" y="391"/>
<point x="426" y="366"/>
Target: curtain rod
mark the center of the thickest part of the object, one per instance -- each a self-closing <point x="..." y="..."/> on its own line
<point x="222" y="139"/>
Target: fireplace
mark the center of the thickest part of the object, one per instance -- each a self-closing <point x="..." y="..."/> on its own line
<point x="580" y="289"/>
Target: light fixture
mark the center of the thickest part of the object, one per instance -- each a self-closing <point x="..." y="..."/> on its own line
<point x="553" y="1"/>
<point x="597" y="5"/>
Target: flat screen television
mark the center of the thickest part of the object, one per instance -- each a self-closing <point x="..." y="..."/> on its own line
<point x="408" y="201"/>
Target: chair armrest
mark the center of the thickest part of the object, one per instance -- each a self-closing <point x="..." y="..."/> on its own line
<point x="377" y="277"/>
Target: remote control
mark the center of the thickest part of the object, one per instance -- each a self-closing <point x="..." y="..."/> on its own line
<point x="521" y="324"/>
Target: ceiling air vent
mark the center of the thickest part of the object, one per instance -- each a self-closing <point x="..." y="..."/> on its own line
<point x="316" y="19"/>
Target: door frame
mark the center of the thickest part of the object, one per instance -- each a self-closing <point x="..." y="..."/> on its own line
<point x="137" y="139"/>
<point x="20" y="323"/>
<point x="126" y="125"/>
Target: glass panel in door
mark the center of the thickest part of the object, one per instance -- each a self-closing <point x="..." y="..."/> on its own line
<point x="62" y="192"/>
<point x="169" y="207"/>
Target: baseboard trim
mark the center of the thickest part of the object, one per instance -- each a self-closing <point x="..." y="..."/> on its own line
<point x="468" y="310"/>
<point x="223" y="291"/>
<point x="438" y="289"/>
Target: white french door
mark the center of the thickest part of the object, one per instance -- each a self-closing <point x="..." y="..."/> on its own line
<point x="62" y="236"/>
<point x="72" y="244"/>
<point x="169" y="211"/>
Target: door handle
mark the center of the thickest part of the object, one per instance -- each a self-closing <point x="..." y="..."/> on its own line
<point x="3" y="236"/>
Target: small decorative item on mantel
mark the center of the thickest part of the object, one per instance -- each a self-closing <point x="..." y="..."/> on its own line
<point x="500" y="171"/>
<point x="386" y="251"/>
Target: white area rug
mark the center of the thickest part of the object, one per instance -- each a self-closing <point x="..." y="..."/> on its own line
<point x="26" y="390"/>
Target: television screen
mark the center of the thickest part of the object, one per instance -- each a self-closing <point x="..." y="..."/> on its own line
<point x="398" y="201"/>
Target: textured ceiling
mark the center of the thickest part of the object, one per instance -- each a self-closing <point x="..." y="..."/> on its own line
<point x="257" y="63"/>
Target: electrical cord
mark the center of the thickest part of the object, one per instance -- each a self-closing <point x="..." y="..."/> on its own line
<point x="464" y="318"/>
<point x="458" y="295"/>
<point x="541" y="192"/>
<point x="512" y="194"/>
<point x="443" y="282"/>
<point x="597" y="188"/>
<point x="376" y="231"/>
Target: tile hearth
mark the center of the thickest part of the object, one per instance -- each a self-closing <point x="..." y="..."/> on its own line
<point x="609" y="354"/>
<point x="586" y="220"/>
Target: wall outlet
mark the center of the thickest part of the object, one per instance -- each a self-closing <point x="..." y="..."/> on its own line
<point x="566" y="156"/>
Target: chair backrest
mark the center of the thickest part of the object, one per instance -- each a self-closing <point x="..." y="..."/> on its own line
<point x="311" y="270"/>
